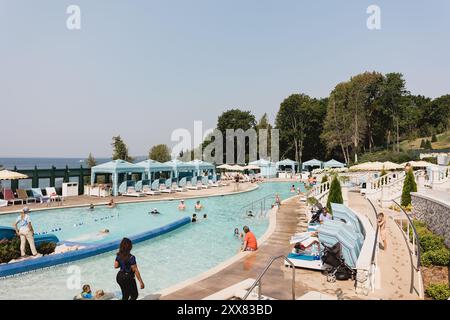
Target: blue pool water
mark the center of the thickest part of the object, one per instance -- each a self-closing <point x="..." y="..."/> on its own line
<point x="163" y="261"/>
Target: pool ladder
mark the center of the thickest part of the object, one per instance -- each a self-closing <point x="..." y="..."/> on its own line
<point x="258" y="280"/>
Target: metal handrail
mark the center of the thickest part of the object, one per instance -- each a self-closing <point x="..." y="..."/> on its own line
<point x="415" y="243"/>
<point x="374" y="250"/>
<point x="261" y="200"/>
<point x="258" y="280"/>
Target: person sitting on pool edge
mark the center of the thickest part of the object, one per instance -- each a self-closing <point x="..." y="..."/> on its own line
<point x="91" y="206"/>
<point x="198" y="206"/>
<point x="194" y="218"/>
<point x="181" y="206"/>
<point x="250" y="243"/>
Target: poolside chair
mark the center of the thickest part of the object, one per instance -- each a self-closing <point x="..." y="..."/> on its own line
<point x="167" y="186"/>
<point x="181" y="187"/>
<point x="131" y="192"/>
<point x="37" y="194"/>
<point x="193" y="184"/>
<point x="9" y="196"/>
<point x="152" y="190"/>
<point x="205" y="183"/>
<point x="51" y="192"/>
<point x="3" y="203"/>
<point x="22" y="194"/>
<point x="213" y="183"/>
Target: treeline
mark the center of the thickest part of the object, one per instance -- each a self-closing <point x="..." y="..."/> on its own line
<point x="370" y="111"/>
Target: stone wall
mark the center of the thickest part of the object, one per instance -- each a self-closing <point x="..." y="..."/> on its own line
<point x="434" y="212"/>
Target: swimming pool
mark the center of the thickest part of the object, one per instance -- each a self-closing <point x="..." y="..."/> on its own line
<point x="163" y="261"/>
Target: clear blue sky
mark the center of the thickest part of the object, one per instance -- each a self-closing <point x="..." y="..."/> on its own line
<point x="144" y="68"/>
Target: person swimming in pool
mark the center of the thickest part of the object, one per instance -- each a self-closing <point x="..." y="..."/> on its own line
<point x="250" y="213"/>
<point x="154" y="211"/>
<point x="205" y="216"/>
<point x="111" y="204"/>
<point x="194" y="218"/>
<point x="182" y="206"/>
<point x="91" y="206"/>
<point x="198" y="206"/>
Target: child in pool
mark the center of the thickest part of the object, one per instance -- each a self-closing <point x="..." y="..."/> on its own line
<point x="194" y="218"/>
<point x="87" y="293"/>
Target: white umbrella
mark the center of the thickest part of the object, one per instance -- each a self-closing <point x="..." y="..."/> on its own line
<point x="11" y="175"/>
<point x="225" y="167"/>
<point x="417" y="164"/>
<point x="388" y="165"/>
<point x="252" y="167"/>
<point x="368" y="166"/>
<point x="237" y="168"/>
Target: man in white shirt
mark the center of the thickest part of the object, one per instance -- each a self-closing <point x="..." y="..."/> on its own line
<point x="25" y="231"/>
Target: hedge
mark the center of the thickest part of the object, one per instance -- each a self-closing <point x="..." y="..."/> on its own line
<point x="439" y="291"/>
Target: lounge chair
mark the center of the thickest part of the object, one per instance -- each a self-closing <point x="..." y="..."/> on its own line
<point x="3" y="203"/>
<point x="213" y="183"/>
<point x="22" y="194"/>
<point x="51" y="192"/>
<point x="131" y="192"/>
<point x="167" y="187"/>
<point x="9" y="197"/>
<point x="152" y="190"/>
<point x="37" y="194"/>
<point x="193" y="185"/>
<point x="205" y="183"/>
<point x="181" y="185"/>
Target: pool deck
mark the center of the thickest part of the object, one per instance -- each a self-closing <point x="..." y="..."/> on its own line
<point x="394" y="265"/>
<point x="81" y="201"/>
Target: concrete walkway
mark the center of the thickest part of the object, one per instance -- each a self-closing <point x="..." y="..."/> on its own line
<point x="277" y="281"/>
<point x="395" y="272"/>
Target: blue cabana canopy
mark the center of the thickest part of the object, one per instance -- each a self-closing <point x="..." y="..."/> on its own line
<point x="268" y="169"/>
<point x="312" y="163"/>
<point x="287" y="163"/>
<point x="152" y="166"/>
<point x="333" y="164"/>
<point x="202" y="166"/>
<point x="180" y="166"/>
<point x="115" y="168"/>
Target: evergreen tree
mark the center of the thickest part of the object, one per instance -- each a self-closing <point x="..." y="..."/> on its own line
<point x="433" y="138"/>
<point x="91" y="162"/>
<point x="120" y="149"/>
<point x="428" y="145"/>
<point x="409" y="185"/>
<point x="422" y="144"/>
<point x="335" y="193"/>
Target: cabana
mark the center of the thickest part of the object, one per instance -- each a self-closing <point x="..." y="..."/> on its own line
<point x="268" y="169"/>
<point x="119" y="169"/>
<point x="287" y="163"/>
<point x="202" y="166"/>
<point x="311" y="164"/>
<point x="152" y="167"/>
<point x="181" y="169"/>
<point x="333" y="164"/>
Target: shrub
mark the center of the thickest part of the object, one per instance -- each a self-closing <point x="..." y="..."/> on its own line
<point x="430" y="242"/>
<point x="422" y="144"/>
<point x="335" y="193"/>
<point x="433" y="138"/>
<point x="324" y="179"/>
<point x="10" y="249"/>
<point x="409" y="185"/>
<point x="312" y="201"/>
<point x="439" y="291"/>
<point x="439" y="257"/>
<point x="428" y="145"/>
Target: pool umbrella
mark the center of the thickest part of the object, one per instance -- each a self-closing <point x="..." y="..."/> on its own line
<point x="66" y="175"/>
<point x="252" y="167"/>
<point x="237" y="167"/>
<point x="81" y="181"/>
<point x="11" y="175"/>
<point x="52" y="177"/>
<point x="35" y="180"/>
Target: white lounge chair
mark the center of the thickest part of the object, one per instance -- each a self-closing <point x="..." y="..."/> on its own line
<point x="166" y="187"/>
<point x="51" y="192"/>
<point x="131" y="192"/>
<point x="193" y="184"/>
<point x="148" y="191"/>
